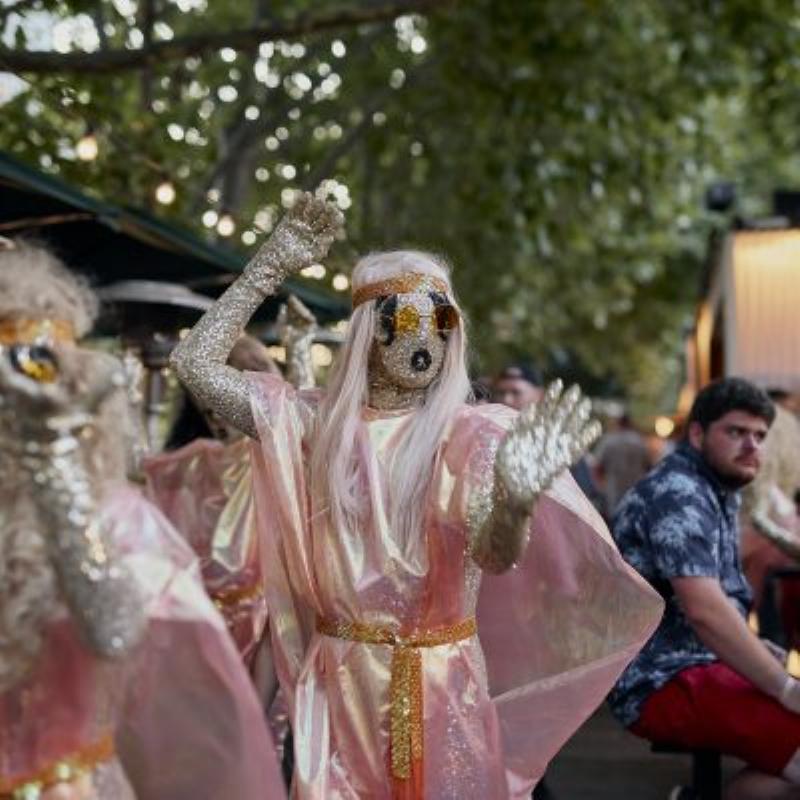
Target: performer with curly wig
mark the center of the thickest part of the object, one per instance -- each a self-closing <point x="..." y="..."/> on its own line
<point x="382" y="504"/>
<point x="117" y="677"/>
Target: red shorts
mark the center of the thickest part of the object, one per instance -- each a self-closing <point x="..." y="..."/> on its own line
<point x="712" y="707"/>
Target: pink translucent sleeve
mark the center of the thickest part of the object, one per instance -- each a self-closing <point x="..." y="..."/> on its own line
<point x="192" y="726"/>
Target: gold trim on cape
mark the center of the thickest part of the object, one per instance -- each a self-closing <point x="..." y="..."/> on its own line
<point x="63" y="770"/>
<point x="28" y="330"/>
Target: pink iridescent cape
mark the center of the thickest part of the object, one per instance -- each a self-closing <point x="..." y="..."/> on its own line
<point x="179" y="708"/>
<point x="204" y="489"/>
<point x="555" y="632"/>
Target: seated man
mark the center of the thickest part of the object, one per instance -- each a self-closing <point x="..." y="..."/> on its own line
<point x="705" y="680"/>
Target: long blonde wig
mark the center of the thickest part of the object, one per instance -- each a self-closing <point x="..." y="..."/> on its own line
<point x="35" y="284"/>
<point x="335" y="472"/>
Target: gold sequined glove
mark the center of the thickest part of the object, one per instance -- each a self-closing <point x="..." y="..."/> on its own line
<point x="546" y="438"/>
<point x="300" y="238"/>
<point x="303" y="236"/>
<point x="49" y="422"/>
<point x="296" y="328"/>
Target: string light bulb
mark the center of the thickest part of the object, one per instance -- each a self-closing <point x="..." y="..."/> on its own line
<point x="87" y="147"/>
<point x="226" y="226"/>
<point x="165" y="193"/>
<point x="664" y="427"/>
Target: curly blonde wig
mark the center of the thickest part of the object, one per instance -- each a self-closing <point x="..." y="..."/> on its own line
<point x="35" y="283"/>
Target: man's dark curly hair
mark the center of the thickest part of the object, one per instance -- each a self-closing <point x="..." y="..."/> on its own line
<point x="730" y="394"/>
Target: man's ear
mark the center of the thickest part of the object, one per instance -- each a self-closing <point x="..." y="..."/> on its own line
<point x="695" y="435"/>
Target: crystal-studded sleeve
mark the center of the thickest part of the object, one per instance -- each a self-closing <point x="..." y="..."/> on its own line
<point x="49" y="400"/>
<point x="303" y="236"/>
<point x="498" y="527"/>
<point x="200" y="359"/>
<point x="96" y="584"/>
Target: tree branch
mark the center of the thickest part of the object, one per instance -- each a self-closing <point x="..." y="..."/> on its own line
<point x="147" y="19"/>
<point x="343" y="146"/>
<point x="157" y="53"/>
<point x="16" y="8"/>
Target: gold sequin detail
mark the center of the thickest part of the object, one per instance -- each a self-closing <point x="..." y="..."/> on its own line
<point x="403" y="284"/>
<point x="66" y="769"/>
<point x="239" y="594"/>
<point x="406" y="713"/>
<point x="26" y="330"/>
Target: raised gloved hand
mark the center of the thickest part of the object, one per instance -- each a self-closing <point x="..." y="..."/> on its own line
<point x="296" y="327"/>
<point x="303" y="236"/>
<point x="295" y="322"/>
<point x="546" y="438"/>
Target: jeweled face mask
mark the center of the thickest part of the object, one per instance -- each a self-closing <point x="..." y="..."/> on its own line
<point x="411" y="332"/>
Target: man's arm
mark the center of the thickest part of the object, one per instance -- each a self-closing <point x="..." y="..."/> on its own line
<point x="721" y="628"/>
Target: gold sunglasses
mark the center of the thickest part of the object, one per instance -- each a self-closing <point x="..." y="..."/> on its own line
<point x="34" y="361"/>
<point x="408" y="319"/>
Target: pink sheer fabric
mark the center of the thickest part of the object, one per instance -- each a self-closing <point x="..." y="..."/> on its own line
<point x="180" y="709"/>
<point x="556" y="632"/>
<point x="204" y="489"/>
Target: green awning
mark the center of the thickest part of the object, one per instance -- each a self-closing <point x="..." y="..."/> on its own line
<point x="111" y="243"/>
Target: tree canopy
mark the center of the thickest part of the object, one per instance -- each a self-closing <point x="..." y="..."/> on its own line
<point x="556" y="152"/>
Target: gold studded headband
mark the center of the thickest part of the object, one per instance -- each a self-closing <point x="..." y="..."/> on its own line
<point x="27" y="330"/>
<point x="402" y="284"/>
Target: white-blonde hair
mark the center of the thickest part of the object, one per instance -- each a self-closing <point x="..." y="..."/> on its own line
<point x="34" y="283"/>
<point x="335" y="472"/>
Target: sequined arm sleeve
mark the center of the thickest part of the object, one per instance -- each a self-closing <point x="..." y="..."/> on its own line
<point x="200" y="359"/>
<point x="499" y="528"/>
<point x="303" y="236"/>
<point x="101" y="593"/>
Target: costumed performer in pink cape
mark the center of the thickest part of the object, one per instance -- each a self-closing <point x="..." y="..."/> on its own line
<point x="382" y="503"/>
<point x="117" y="677"/>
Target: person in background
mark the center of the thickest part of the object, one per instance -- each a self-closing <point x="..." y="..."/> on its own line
<point x="518" y="385"/>
<point x="705" y="680"/>
<point x="620" y="460"/>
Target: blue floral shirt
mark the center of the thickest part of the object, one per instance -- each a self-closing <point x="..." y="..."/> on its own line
<point x="678" y="521"/>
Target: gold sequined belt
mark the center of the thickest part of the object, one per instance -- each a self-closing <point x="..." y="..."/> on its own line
<point x="406" y="681"/>
<point x="70" y="768"/>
